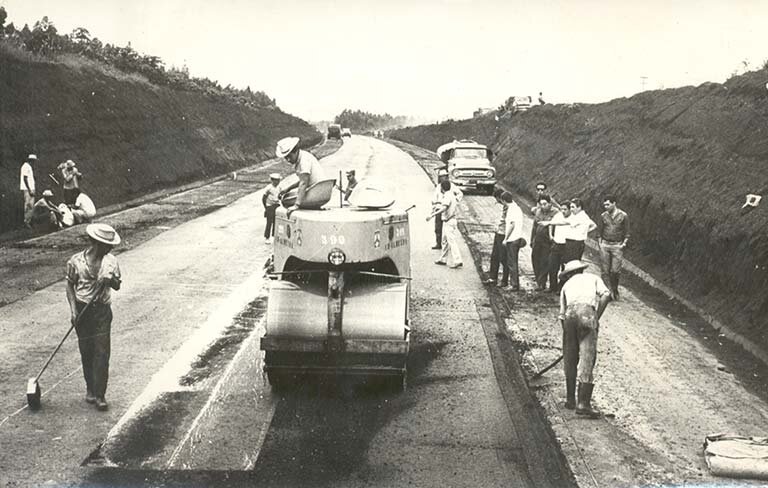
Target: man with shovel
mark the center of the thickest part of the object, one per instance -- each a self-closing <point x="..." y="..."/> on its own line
<point x="90" y="276"/>
<point x="583" y="299"/>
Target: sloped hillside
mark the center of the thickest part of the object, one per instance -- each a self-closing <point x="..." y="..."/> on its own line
<point x="680" y="162"/>
<point x="128" y="137"/>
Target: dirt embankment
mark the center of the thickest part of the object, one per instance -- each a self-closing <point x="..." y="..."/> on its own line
<point x="128" y="137"/>
<point x="679" y="161"/>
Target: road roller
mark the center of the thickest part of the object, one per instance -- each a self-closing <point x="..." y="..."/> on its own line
<point x="339" y="296"/>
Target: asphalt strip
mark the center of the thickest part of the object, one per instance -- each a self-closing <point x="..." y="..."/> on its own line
<point x="168" y="379"/>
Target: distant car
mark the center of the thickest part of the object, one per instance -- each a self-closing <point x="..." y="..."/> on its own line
<point x="520" y="103"/>
<point x="334" y="131"/>
<point x="469" y="165"/>
<point x="345" y="132"/>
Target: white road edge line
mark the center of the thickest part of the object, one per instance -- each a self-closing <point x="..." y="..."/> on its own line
<point x="214" y="396"/>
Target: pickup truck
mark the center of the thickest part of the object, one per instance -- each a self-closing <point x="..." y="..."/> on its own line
<point x="469" y="165"/>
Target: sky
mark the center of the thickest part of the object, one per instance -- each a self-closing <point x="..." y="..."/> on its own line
<point x="433" y="59"/>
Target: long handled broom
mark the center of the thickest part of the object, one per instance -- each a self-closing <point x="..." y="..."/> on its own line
<point x="33" y="385"/>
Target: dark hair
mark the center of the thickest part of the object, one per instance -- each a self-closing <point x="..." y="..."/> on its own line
<point x="545" y="197"/>
<point x="610" y="198"/>
<point x="577" y="202"/>
<point x="497" y="193"/>
<point x="507" y="197"/>
<point x="445" y="185"/>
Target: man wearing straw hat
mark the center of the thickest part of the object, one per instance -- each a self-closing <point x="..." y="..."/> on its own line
<point x="583" y="299"/>
<point x="306" y="166"/>
<point x="90" y="276"/>
<point x="270" y="199"/>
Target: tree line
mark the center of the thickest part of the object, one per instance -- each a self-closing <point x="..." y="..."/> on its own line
<point x="365" y="121"/>
<point x="44" y="40"/>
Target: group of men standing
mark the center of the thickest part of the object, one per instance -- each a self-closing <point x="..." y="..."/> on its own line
<point x="76" y="207"/>
<point x="558" y="237"/>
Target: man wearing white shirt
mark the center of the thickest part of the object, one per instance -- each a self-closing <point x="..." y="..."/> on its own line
<point x="83" y="210"/>
<point x="437" y="198"/>
<point x="559" y="230"/>
<point x="448" y="212"/>
<point x="583" y="299"/>
<point x="27" y="187"/>
<point x="513" y="239"/>
<point x="581" y="225"/>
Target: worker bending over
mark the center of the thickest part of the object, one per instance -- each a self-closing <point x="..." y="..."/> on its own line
<point x="583" y="299"/>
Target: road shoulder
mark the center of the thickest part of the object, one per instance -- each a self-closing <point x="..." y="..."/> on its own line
<point x="654" y="379"/>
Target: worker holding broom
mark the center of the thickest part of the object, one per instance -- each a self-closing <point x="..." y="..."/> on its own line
<point x="91" y="275"/>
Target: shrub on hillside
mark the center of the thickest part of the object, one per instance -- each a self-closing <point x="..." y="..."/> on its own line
<point x="44" y="40"/>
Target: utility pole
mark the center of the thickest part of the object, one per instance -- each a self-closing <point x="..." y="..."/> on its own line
<point x="642" y="83"/>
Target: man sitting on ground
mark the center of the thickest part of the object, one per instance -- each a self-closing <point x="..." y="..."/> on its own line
<point x="45" y="212"/>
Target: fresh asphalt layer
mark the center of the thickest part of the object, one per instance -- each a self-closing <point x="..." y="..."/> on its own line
<point x="183" y="415"/>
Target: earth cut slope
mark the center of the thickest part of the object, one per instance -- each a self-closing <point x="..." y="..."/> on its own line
<point x="680" y="162"/>
<point x="128" y="137"/>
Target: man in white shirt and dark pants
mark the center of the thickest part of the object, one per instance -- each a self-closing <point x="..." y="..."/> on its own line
<point x="448" y="211"/>
<point x="27" y="187"/>
<point x="583" y="299"/>
<point x="513" y="238"/>
<point x="437" y="198"/>
<point x="270" y="200"/>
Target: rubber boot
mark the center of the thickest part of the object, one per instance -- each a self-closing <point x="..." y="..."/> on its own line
<point x="584" y="406"/>
<point x="614" y="286"/>
<point x="570" y="392"/>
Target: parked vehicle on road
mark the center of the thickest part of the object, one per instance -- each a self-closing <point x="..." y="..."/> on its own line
<point x="469" y="165"/>
<point x="346" y="132"/>
<point x="334" y="131"/>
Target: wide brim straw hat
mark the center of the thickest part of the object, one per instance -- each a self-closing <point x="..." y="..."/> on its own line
<point x="285" y="146"/>
<point x="570" y="267"/>
<point x="103" y="233"/>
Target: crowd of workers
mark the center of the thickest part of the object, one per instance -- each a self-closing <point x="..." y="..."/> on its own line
<point x="558" y="236"/>
<point x="76" y="207"/>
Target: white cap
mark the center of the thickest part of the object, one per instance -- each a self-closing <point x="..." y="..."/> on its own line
<point x="32" y="156"/>
<point x="285" y="146"/>
<point x="274" y="176"/>
<point x="47" y="193"/>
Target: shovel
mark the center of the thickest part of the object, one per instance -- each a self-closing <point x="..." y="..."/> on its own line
<point x="552" y="365"/>
<point x="33" y="385"/>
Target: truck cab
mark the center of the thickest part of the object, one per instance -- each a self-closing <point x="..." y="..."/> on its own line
<point x="469" y="165"/>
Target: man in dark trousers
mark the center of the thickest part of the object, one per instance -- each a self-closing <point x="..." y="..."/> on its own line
<point x="437" y="198"/>
<point x="613" y="238"/>
<point x="583" y="299"/>
<point x="499" y="252"/>
<point x="270" y="201"/>
<point x="90" y="276"/>
<point x="541" y="243"/>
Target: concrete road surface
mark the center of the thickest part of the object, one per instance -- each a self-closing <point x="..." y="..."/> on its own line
<point x="189" y="404"/>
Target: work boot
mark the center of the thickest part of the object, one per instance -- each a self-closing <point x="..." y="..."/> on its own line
<point x="570" y="392"/>
<point x="437" y="246"/>
<point x="90" y="397"/>
<point x="584" y="407"/>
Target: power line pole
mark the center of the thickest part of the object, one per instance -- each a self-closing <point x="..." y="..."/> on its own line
<point x="642" y="82"/>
